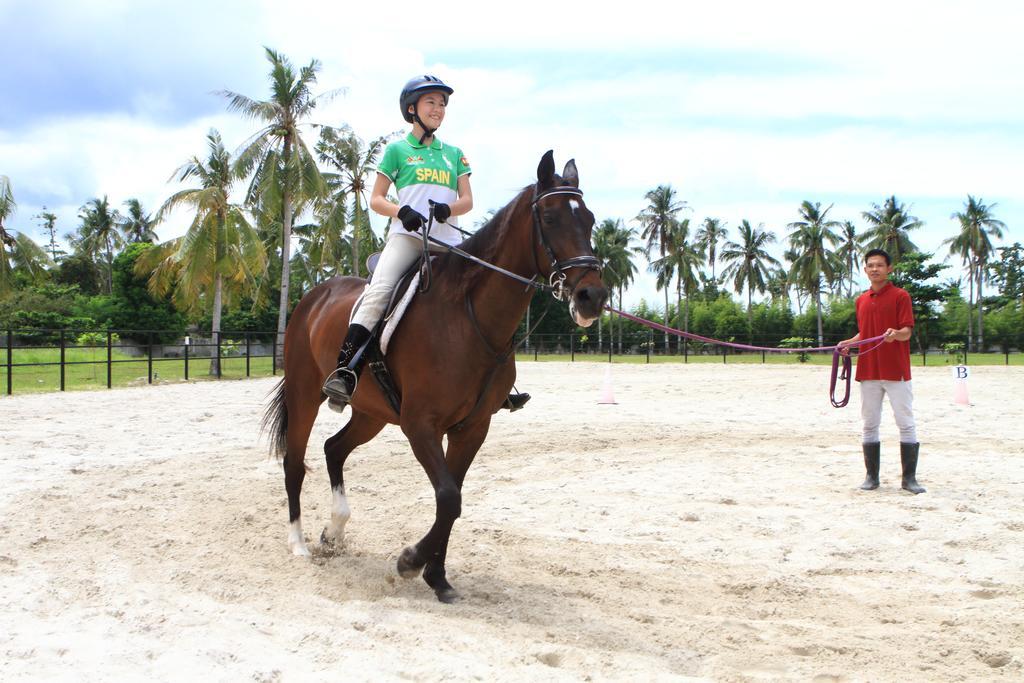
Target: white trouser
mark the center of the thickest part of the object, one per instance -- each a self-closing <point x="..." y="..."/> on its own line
<point x="398" y="256"/>
<point x="901" y="398"/>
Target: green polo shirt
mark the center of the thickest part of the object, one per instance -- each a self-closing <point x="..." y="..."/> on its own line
<point x="421" y="173"/>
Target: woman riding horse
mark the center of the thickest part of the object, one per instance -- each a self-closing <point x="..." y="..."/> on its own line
<point x="468" y="318"/>
<point x="427" y="173"/>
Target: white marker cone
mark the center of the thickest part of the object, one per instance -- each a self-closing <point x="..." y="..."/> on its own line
<point x="607" y="397"/>
<point x="960" y="374"/>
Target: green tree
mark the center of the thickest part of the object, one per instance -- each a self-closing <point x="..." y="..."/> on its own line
<point x="710" y="233"/>
<point x="99" y="236"/>
<point x="814" y="264"/>
<point x="748" y="262"/>
<point x="682" y="261"/>
<point x="49" y="224"/>
<point x="890" y="225"/>
<point x="915" y="274"/>
<point x="137" y="225"/>
<point x="1008" y="272"/>
<point x="356" y="165"/>
<point x="974" y="245"/>
<point x="285" y="174"/>
<point x="19" y="255"/>
<point x="612" y="238"/>
<point x="658" y="224"/>
<point x="132" y="306"/>
<point x="848" y="254"/>
<point x="220" y="251"/>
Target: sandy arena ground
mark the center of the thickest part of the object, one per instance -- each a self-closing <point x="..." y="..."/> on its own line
<point x="708" y="526"/>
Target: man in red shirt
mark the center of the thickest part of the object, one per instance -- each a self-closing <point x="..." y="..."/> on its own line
<point x="885" y="309"/>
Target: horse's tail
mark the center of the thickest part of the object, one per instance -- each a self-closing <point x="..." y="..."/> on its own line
<point x="275" y="421"/>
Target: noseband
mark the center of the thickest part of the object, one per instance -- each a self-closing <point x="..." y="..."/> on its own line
<point x="557" y="279"/>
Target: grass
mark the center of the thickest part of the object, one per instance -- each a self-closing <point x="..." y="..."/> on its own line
<point x="86" y="368"/>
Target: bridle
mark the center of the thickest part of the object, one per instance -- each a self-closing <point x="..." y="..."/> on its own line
<point x="556" y="283"/>
<point x="557" y="279"/>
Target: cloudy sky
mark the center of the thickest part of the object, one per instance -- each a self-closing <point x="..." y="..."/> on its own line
<point x="745" y="108"/>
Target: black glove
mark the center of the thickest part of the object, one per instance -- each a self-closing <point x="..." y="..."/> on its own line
<point x="442" y="212"/>
<point x="412" y="220"/>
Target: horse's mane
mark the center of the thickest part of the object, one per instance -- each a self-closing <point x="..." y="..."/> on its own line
<point x="457" y="275"/>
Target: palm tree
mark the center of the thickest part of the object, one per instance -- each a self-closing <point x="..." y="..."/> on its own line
<point x="711" y="231"/>
<point x="7" y="206"/>
<point x="748" y="262"/>
<point x="814" y="264"/>
<point x="50" y="225"/>
<point x="343" y="150"/>
<point x="136" y="225"/>
<point x="99" y="233"/>
<point x="658" y="224"/>
<point x="220" y="250"/>
<point x="972" y="244"/>
<point x="17" y="251"/>
<point x="285" y="174"/>
<point x="849" y="253"/>
<point x="611" y="246"/>
<point x="890" y="225"/>
<point x="683" y="261"/>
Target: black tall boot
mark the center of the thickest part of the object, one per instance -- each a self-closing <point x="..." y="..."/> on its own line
<point x="341" y="383"/>
<point x="872" y="460"/>
<point x="908" y="456"/>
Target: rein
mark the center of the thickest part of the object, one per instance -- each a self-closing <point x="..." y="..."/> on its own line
<point x="846" y="375"/>
<point x="556" y="281"/>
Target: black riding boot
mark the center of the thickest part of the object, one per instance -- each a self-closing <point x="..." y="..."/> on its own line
<point x="516" y="401"/>
<point x="872" y="461"/>
<point x="341" y="383"/>
<point x="908" y="456"/>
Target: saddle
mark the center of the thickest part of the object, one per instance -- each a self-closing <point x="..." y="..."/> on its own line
<point x="375" y="348"/>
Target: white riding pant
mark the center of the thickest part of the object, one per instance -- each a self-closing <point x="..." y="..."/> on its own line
<point x="901" y="398"/>
<point x="398" y="256"/>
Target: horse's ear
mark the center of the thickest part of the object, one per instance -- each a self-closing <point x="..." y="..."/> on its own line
<point x="570" y="175"/>
<point x="546" y="170"/>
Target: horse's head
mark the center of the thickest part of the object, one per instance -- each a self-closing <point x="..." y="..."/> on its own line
<point x="563" y="225"/>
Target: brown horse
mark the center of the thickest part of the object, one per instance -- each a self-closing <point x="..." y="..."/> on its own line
<point x="451" y="358"/>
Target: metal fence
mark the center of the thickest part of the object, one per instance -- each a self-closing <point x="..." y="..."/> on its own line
<point x="67" y="351"/>
<point x="59" y="355"/>
<point x="651" y="345"/>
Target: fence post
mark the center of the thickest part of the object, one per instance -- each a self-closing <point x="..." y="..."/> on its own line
<point x="10" y="363"/>
<point x="110" y="358"/>
<point x="650" y="342"/>
<point x="217" y="339"/>
<point x="62" y="360"/>
<point x="686" y="350"/>
<point x="572" y="347"/>
<point x="149" y="357"/>
<point x="724" y="350"/>
<point x="246" y="354"/>
<point x="763" y="352"/>
<point x="187" y="340"/>
<point x="273" y="357"/>
<point x="966" y="348"/>
<point x="611" y="344"/>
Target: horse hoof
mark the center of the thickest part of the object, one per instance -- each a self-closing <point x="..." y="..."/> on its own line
<point x="300" y="550"/>
<point x="447" y="595"/>
<point x="407" y="565"/>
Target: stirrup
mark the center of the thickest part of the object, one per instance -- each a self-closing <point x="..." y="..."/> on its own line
<point x="340" y="386"/>
<point x="515" y="402"/>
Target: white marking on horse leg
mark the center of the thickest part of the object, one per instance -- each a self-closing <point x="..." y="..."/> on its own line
<point x="340" y="514"/>
<point x="296" y="541"/>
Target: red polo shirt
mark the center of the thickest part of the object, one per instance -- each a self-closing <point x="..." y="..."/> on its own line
<point x="877" y="312"/>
